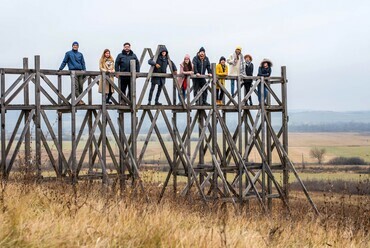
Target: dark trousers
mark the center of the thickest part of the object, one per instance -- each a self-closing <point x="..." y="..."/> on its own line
<point x="109" y="94"/>
<point x="160" y="86"/>
<point x="219" y="94"/>
<point x="79" y="83"/>
<point x="247" y="86"/>
<point x="125" y="82"/>
<point x="198" y="84"/>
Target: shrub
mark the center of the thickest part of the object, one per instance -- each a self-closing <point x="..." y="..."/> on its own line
<point x="347" y="161"/>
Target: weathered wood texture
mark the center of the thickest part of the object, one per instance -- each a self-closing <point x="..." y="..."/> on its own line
<point x="206" y="150"/>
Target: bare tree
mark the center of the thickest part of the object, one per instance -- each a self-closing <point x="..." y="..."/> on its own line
<point x="318" y="153"/>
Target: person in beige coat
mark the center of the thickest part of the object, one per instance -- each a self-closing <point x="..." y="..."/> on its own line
<point x="106" y="64"/>
<point x="235" y="62"/>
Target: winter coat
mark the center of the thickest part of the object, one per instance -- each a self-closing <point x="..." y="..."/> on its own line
<point x="123" y="62"/>
<point x="248" y="71"/>
<point x="221" y="73"/>
<point x="75" y="61"/>
<point x="183" y="75"/>
<point x="200" y="66"/>
<point x="264" y="72"/>
<point x="163" y="63"/>
<point x="235" y="65"/>
<point x="106" y="64"/>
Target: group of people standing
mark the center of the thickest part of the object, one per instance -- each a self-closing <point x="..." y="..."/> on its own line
<point x="236" y="64"/>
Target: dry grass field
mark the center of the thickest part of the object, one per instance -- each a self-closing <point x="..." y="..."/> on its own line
<point x="58" y="215"/>
<point x="54" y="214"/>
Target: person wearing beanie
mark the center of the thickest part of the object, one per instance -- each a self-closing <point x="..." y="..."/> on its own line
<point x="235" y="62"/>
<point x="186" y="70"/>
<point x="122" y="64"/>
<point x="160" y="66"/>
<point x="75" y="61"/>
<point x="201" y="65"/>
<point x="264" y="71"/>
<point x="247" y="70"/>
<point x="221" y="71"/>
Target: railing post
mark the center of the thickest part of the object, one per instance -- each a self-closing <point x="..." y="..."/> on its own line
<point x="133" y="113"/>
<point x="37" y="118"/>
<point x="26" y="97"/>
<point x="285" y="130"/>
<point x="3" y="144"/>
<point x="60" y="127"/>
<point x="269" y="154"/>
<point x="73" y="128"/>
<point x="263" y="137"/>
<point x="214" y="130"/>
<point x="240" y="141"/>
<point x="104" y="126"/>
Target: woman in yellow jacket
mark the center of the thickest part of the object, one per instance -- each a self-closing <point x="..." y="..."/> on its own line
<point x="106" y="64"/>
<point x="221" y="71"/>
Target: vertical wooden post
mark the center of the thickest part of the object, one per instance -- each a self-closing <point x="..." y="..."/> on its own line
<point x="60" y="128"/>
<point x="246" y="137"/>
<point x="269" y="156"/>
<point x="26" y="98"/>
<point x="175" y="152"/>
<point x="263" y="137"/>
<point x="133" y="112"/>
<point x="285" y="130"/>
<point x="240" y="141"/>
<point x="121" y="127"/>
<point x="73" y="128"/>
<point x="3" y="144"/>
<point x="188" y="123"/>
<point x="104" y="126"/>
<point x="38" y="115"/>
<point x="214" y="130"/>
<point x="90" y="124"/>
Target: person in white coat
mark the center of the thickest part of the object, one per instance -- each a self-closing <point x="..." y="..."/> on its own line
<point x="235" y="62"/>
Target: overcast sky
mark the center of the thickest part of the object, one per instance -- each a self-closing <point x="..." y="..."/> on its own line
<point x="324" y="44"/>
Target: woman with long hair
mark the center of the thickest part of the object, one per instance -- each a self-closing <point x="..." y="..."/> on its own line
<point x="106" y="64"/>
<point x="186" y="69"/>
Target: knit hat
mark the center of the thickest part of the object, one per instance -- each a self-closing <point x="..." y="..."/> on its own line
<point x="202" y="49"/>
<point x="238" y="48"/>
<point x="187" y="56"/>
<point x="75" y="43"/>
<point x="222" y="58"/>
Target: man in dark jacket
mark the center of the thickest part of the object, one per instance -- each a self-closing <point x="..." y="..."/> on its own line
<point x="75" y="61"/>
<point x="160" y="66"/>
<point x="122" y="64"/>
<point x="201" y="64"/>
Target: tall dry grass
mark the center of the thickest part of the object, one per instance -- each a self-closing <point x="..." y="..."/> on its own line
<point x="91" y="215"/>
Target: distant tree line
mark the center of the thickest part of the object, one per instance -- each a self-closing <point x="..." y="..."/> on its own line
<point x="331" y="127"/>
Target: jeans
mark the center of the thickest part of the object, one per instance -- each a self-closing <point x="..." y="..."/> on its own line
<point x="264" y="92"/>
<point x="183" y="93"/>
<point x="232" y="86"/>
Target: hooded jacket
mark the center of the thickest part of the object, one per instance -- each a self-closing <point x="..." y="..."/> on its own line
<point x="123" y="62"/>
<point x="163" y="63"/>
<point x="265" y="72"/>
<point x="75" y="61"/>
